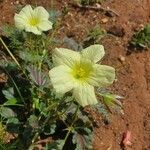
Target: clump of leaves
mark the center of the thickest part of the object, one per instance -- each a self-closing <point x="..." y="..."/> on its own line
<point x="142" y="38"/>
<point x="94" y="36"/>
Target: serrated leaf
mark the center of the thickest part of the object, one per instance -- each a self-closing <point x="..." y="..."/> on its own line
<point x="57" y="145"/>
<point x="33" y="121"/>
<point x="83" y="139"/>
<point x="29" y="57"/>
<point x="9" y="66"/>
<point x="111" y="99"/>
<point x="50" y="129"/>
<point x="7" y="112"/>
<point x="72" y="108"/>
<point x="9" y="93"/>
<point x="8" y="30"/>
<point x="112" y="102"/>
<point x="37" y="76"/>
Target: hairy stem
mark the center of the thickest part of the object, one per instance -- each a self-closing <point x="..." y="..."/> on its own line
<point x="10" y="53"/>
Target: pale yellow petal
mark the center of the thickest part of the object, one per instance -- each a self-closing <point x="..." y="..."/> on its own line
<point x="19" y="21"/>
<point x="102" y="75"/>
<point x="63" y="56"/>
<point x="41" y="13"/>
<point x="84" y="94"/>
<point x="93" y="52"/>
<point x="45" y="25"/>
<point x="61" y="79"/>
<point x="33" y="29"/>
<point x="26" y="11"/>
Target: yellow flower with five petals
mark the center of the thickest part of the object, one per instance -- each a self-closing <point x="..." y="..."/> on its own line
<point x="79" y="72"/>
<point x="33" y="20"/>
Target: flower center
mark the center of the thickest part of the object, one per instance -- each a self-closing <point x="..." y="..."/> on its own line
<point x="80" y="73"/>
<point x="33" y="21"/>
<point x="82" y="70"/>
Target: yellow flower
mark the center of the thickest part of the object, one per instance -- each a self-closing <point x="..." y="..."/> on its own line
<point x="79" y="73"/>
<point x="33" y="20"/>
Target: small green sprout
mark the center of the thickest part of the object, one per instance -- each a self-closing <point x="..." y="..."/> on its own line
<point x="111" y="101"/>
<point x="142" y="38"/>
<point x="94" y="36"/>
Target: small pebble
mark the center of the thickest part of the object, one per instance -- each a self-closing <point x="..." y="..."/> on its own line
<point x="17" y="2"/>
<point x="121" y="58"/>
<point x="104" y="20"/>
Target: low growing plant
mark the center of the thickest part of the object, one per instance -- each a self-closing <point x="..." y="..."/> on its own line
<point x="94" y="36"/>
<point x="47" y="90"/>
<point x="142" y="37"/>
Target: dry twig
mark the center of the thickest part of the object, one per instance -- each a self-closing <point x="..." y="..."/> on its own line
<point x="98" y="7"/>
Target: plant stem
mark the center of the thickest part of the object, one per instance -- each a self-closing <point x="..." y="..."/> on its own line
<point x="47" y="119"/>
<point x="71" y="127"/>
<point x="13" y="57"/>
<point x="10" y="53"/>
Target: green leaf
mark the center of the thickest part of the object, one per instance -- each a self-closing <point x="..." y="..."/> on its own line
<point x="83" y="139"/>
<point x="13" y="125"/>
<point x="38" y="77"/>
<point x="81" y="114"/>
<point x="8" y="30"/>
<point x="112" y="102"/>
<point x="30" y="57"/>
<point x="9" y="93"/>
<point x="57" y="145"/>
<point x="10" y="102"/>
<point x="7" y="112"/>
<point x="8" y="65"/>
<point x="50" y="129"/>
<point x="142" y="37"/>
<point x="33" y="121"/>
<point x="111" y="99"/>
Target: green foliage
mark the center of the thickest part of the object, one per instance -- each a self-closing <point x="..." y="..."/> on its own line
<point x="7" y="112"/>
<point x="4" y="146"/>
<point x="94" y="36"/>
<point x="83" y="139"/>
<point x="15" y="37"/>
<point x="142" y="38"/>
<point x="56" y="145"/>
